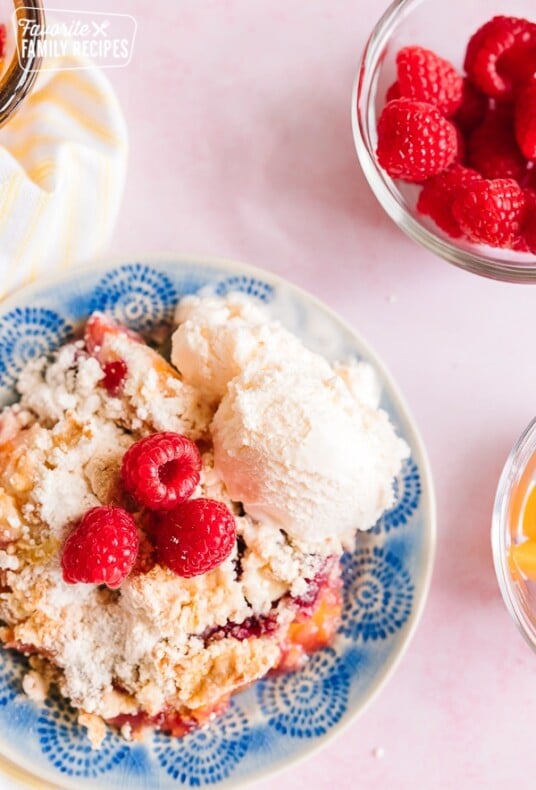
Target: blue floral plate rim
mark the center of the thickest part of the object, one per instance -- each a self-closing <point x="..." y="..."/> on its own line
<point x="25" y="295"/>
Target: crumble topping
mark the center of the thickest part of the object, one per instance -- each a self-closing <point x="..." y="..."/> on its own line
<point x="268" y="416"/>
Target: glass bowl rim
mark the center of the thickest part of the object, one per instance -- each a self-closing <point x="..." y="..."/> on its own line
<point x="523" y="449"/>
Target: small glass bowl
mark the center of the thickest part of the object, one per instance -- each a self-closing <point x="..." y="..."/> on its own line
<point x="21" y="72"/>
<point x="445" y="27"/>
<point x="517" y="481"/>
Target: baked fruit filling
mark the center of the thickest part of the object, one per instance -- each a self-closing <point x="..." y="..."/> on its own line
<point x="313" y="627"/>
<point x="171" y="531"/>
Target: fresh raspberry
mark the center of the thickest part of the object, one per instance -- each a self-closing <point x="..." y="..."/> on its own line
<point x="472" y="110"/>
<point x="490" y="212"/>
<point x="393" y="92"/>
<point x="525" y="119"/>
<point x="195" y="537"/>
<point x="439" y="193"/>
<point x="101" y="549"/>
<point x="529" y="222"/>
<point x="415" y="142"/>
<point x="530" y="181"/>
<point x="161" y="470"/>
<point x="424" y="76"/>
<point x="461" y="154"/>
<point x="3" y="39"/>
<point x="487" y="50"/>
<point x="520" y="245"/>
<point x="492" y="148"/>
<point x="519" y="63"/>
<point x="115" y="374"/>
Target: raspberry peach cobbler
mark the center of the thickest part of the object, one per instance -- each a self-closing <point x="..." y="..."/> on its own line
<point x="171" y="531"/>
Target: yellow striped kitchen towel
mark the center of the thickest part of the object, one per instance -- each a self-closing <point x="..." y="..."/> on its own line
<point x="62" y="170"/>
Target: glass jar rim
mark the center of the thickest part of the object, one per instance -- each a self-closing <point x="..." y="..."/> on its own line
<point x="21" y="73"/>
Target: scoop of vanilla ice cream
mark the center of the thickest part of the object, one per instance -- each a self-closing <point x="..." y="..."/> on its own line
<point x="218" y="338"/>
<point x="299" y="451"/>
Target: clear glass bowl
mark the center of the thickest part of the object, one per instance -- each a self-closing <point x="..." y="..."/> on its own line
<point x="517" y="481"/>
<point x="444" y="26"/>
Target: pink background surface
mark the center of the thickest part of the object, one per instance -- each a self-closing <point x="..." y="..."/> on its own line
<point x="241" y="147"/>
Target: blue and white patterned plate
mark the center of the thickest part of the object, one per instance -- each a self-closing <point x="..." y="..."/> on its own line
<point x="385" y="579"/>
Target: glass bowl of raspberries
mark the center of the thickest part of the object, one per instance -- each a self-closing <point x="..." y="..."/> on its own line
<point x="444" y="123"/>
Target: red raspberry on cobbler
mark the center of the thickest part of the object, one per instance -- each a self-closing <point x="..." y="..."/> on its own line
<point x="195" y="537"/>
<point x="115" y="374"/>
<point x="101" y="549"/>
<point x="161" y="470"/>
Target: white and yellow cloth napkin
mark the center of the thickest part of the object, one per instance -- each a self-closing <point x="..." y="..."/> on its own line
<point x="62" y="170"/>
